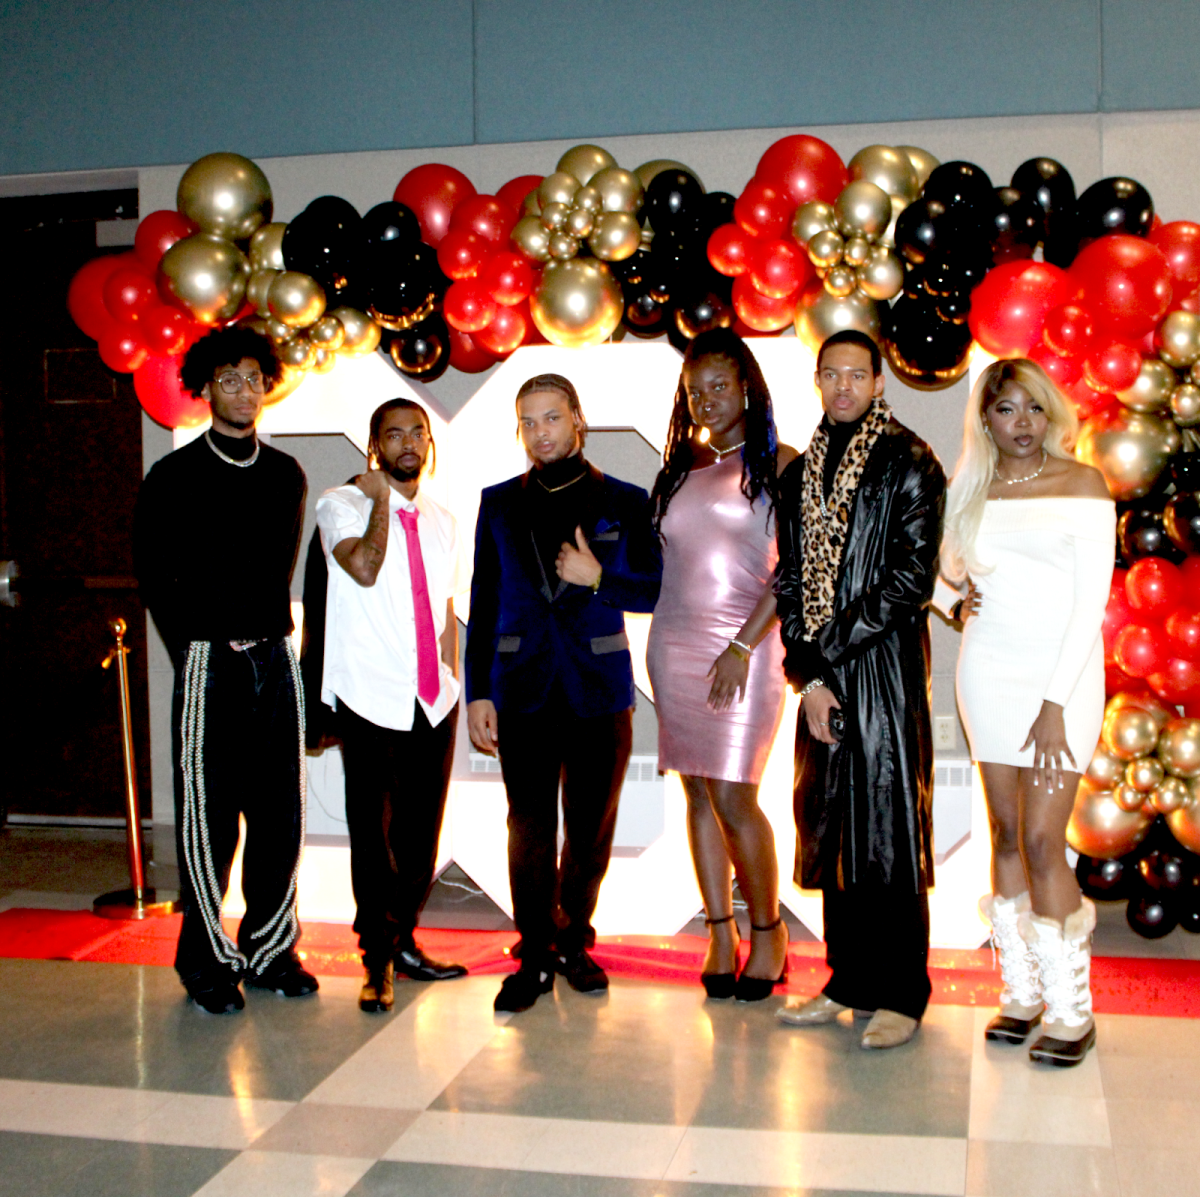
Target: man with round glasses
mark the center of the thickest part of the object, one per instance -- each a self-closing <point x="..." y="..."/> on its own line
<point x="216" y="531"/>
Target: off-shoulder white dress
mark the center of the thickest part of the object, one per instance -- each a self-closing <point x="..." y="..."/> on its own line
<point x="1037" y="634"/>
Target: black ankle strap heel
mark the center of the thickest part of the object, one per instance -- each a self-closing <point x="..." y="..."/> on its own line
<point x="719" y="985"/>
<point x="755" y="989"/>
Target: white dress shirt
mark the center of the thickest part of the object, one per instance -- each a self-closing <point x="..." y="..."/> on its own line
<point x="370" y="631"/>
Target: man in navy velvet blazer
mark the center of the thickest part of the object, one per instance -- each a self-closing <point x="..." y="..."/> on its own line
<point x="560" y="553"/>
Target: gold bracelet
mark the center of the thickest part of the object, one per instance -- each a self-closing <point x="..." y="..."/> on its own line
<point x="596" y="584"/>
<point x="739" y="650"/>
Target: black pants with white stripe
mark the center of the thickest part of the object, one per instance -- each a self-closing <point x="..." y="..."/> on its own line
<point x="239" y="750"/>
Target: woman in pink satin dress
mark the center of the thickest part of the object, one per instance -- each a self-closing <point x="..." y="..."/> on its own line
<point x="714" y="655"/>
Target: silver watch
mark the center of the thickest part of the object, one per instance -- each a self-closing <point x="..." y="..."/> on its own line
<point x="815" y="684"/>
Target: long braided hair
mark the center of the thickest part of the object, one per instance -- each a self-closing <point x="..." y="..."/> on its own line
<point x="759" y="466"/>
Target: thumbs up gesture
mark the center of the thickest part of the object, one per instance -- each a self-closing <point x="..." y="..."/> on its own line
<point x="576" y="563"/>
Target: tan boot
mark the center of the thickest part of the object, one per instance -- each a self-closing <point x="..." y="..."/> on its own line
<point x="888" y="1028"/>
<point x="1064" y="955"/>
<point x="1021" y="998"/>
<point x="814" y="1012"/>
<point x="377" y="993"/>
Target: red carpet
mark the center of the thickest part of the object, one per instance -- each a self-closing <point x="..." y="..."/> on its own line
<point x="1167" y="988"/>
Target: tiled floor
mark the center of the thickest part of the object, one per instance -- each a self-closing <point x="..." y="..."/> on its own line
<point x="111" y="1083"/>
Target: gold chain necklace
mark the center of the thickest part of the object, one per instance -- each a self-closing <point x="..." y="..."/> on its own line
<point x="242" y="465"/>
<point x="554" y="489"/>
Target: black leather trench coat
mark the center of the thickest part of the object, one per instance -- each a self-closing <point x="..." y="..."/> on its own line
<point x="864" y="807"/>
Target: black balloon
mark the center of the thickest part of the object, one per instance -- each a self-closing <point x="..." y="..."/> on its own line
<point x="954" y="308"/>
<point x="1019" y="220"/>
<point x="1104" y="879"/>
<point x="1189" y="904"/>
<point x="674" y="201"/>
<point x="422" y="351"/>
<point x="391" y="224"/>
<point x="1152" y="915"/>
<point x="925" y="351"/>
<point x="697" y="312"/>
<point x="403" y="294"/>
<point x="1140" y="533"/>
<point x="1116" y="205"/>
<point x="1161" y="870"/>
<point x="717" y="210"/>
<point x="917" y="231"/>
<point x="960" y="184"/>
<point x="1051" y="185"/>
<point x="645" y="315"/>
<point x="677" y="252"/>
<point x="1181" y="518"/>
<point x="325" y="241"/>
<point x="1185" y="471"/>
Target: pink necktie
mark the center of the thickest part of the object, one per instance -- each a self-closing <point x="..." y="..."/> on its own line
<point x="428" y="681"/>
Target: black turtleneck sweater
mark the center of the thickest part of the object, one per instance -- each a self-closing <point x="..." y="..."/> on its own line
<point x="840" y="436"/>
<point x="214" y="542"/>
<point x="559" y="498"/>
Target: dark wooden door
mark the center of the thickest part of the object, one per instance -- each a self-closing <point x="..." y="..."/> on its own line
<point x="70" y="465"/>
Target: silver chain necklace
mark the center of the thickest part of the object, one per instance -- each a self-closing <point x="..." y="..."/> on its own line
<point x="1027" y="478"/>
<point x="242" y="465"/>
<point x="722" y="453"/>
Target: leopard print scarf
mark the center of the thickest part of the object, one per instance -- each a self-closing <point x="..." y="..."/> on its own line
<point x="825" y="523"/>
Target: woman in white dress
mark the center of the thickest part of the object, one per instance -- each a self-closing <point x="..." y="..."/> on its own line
<point x="1028" y="541"/>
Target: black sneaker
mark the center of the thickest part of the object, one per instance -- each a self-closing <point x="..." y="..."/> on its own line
<point x="217" y="996"/>
<point x="288" y="979"/>
<point x="522" y="988"/>
<point x="583" y="974"/>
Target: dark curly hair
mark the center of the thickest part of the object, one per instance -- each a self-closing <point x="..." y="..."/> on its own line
<point x="227" y="347"/>
<point x="759" y="467"/>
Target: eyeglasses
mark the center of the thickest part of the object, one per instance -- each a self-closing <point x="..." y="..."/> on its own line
<point x="231" y="382"/>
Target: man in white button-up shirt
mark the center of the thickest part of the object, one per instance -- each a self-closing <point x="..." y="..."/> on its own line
<point x="397" y="722"/>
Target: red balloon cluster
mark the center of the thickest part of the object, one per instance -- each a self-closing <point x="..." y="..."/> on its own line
<point x="757" y="250"/>
<point x="487" y="304"/>
<point x="1152" y="630"/>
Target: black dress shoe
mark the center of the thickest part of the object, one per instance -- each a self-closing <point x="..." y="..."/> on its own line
<point x="289" y="979"/>
<point x="221" y="996"/>
<point x="412" y="962"/>
<point x="377" y="995"/>
<point x="583" y="974"/>
<point x="522" y="988"/>
<point x="1003" y="1029"/>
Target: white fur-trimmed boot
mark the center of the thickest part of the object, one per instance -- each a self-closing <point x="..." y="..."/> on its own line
<point x="1064" y="956"/>
<point x="1021" y="998"/>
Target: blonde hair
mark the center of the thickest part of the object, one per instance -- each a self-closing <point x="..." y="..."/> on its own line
<point x="976" y="466"/>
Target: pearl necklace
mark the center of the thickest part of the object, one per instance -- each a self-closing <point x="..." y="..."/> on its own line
<point x="233" y="460"/>
<point x="1028" y="477"/>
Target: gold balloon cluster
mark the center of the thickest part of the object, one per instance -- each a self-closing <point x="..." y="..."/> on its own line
<point x="1147" y="764"/>
<point x="1129" y="447"/>
<point x="1168" y="385"/>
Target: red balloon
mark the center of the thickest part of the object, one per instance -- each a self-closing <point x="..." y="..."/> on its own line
<point x="1118" y="613"/>
<point x="1154" y="587"/>
<point x="128" y="292"/>
<point x="1114" y="368"/>
<point x="85" y="295"/>
<point x="729" y="249"/>
<point x="1064" y="371"/>
<point x="514" y="192"/>
<point x="779" y="268"/>
<point x="760" y="312"/>
<point x="433" y="190"/>
<point x="157" y="233"/>
<point x="1180" y="242"/>
<point x="486" y="215"/>
<point x="1116" y="680"/>
<point x="1142" y="649"/>
<point x="1183" y="626"/>
<point x="763" y="210"/>
<point x="1178" y="682"/>
<point x="468" y="306"/>
<point x="805" y="168"/>
<point x="122" y="349"/>
<point x="507" y="277"/>
<point x="1189" y="571"/>
<point x="1069" y="329"/>
<point x="1125" y="282"/>
<point x="1010" y="306"/>
<point x="466" y="355"/>
<point x="533" y="334"/>
<point x="161" y="394"/>
<point x="461" y="252"/>
<point x="1087" y="402"/>
<point x="165" y="330"/>
<point x="505" y="333"/>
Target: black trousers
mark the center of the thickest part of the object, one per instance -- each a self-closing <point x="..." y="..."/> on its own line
<point x="396" y="784"/>
<point x="239" y="750"/>
<point x="877" y="943"/>
<point x="554" y="898"/>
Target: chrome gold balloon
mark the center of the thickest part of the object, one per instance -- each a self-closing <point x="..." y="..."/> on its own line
<point x="1129" y="797"/>
<point x="1148" y="702"/>
<point x="1145" y="773"/>
<point x="257" y="287"/>
<point x="1170" y="795"/>
<point x="1129" y="732"/>
<point x="812" y="218"/>
<point x="226" y="195"/>
<point x="554" y="215"/>
<point x="296" y="299"/>
<point x="584" y="161"/>
<point x="1105" y="769"/>
<point x="563" y="246"/>
<point x="298" y="352"/>
<point x="578" y="303"/>
<point x="1184" y="822"/>
<point x="1185" y="405"/>
<point x="1099" y="827"/>
<point x="587" y="199"/>
<point x="205" y="274"/>
<point x="619" y="190"/>
<point x="825" y="249"/>
<point x="615" y="237"/>
<point x="360" y="333"/>
<point x="862" y="208"/>
<point x="840" y="281"/>
<point x="579" y="222"/>
<point x="277" y="330"/>
<point x="882" y="276"/>
<point x="819" y="315"/>
<point x="327" y="333"/>
<point x="888" y="168"/>
<point x="648" y="171"/>
<point x="266" y="247"/>
<point x="1179" y="747"/>
<point x="857" y="251"/>
<point x="1177" y="340"/>
<point x="924" y="163"/>
<point x="557" y="188"/>
<point x="290" y="378"/>
<point x="1129" y="448"/>
<point x="324" y="360"/>
<point x="1152" y="390"/>
<point x="531" y="238"/>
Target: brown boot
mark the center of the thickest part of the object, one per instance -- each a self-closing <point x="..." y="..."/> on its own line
<point x="377" y="996"/>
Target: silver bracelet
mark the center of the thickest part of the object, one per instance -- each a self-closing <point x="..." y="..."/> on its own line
<point x="815" y="684"/>
<point x="742" y="645"/>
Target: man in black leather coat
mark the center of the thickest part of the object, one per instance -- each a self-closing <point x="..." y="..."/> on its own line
<point x="859" y="524"/>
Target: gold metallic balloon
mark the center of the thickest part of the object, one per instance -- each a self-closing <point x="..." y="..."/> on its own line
<point x="296" y="299"/>
<point x="1129" y="732"/>
<point x="1177" y="339"/>
<point x="1170" y="795"/>
<point x="819" y="315"/>
<point x="554" y="215"/>
<point x="1099" y="827"/>
<point x="888" y="236"/>
<point x="531" y="238"/>
<point x="1185" y="821"/>
<point x="1194" y="373"/>
<point x="587" y="199"/>
<point x="563" y="246"/>
<point x="1179" y="747"/>
<point x="205" y="274"/>
<point x="1171" y="437"/>
<point x="1129" y="448"/>
<point x="298" y="352"/>
<point x="812" y="218"/>
<point x="924" y="163"/>
<point x="578" y="303"/>
<point x="1152" y="391"/>
<point x="327" y="333"/>
<point x="1105" y="769"/>
<point x="226" y="195"/>
<point x="324" y="360"/>
<point x="840" y="281"/>
<point x="888" y="168"/>
<point x="579" y="222"/>
<point x="882" y="277"/>
<point x="532" y="205"/>
<point x="1185" y="405"/>
<point x="1144" y="773"/>
<point x="557" y="188"/>
<point x="1129" y="797"/>
<point x="825" y="249"/>
<point x="277" y="330"/>
<point x="289" y="380"/>
<point x="615" y="237"/>
<point x="620" y="190"/>
<point x="584" y="161"/>
<point x="266" y="247"/>
<point x="857" y="251"/>
<point x="361" y="334"/>
<point x="649" y="170"/>
<point x="862" y="208"/>
<point x="1142" y="701"/>
<point x="257" y="287"/>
